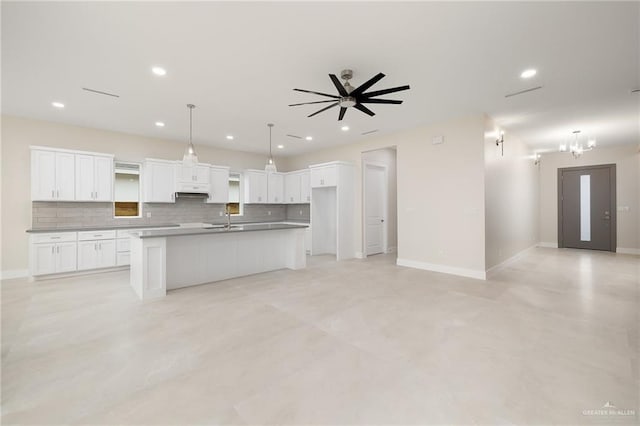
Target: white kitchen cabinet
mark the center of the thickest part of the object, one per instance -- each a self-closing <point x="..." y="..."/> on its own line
<point x="305" y="187"/>
<point x="94" y="177"/>
<point x="52" y="253"/>
<point x="323" y="175"/>
<point x="275" y="187"/>
<point x="292" y="188"/>
<point x="52" y="175"/>
<point x="333" y="194"/>
<point x="158" y="178"/>
<point x="219" y="190"/>
<point x="96" y="249"/>
<point x="255" y="187"/>
<point x="198" y="173"/>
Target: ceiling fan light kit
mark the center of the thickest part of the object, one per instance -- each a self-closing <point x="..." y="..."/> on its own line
<point x="350" y="97"/>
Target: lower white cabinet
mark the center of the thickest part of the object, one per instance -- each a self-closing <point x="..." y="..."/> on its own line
<point x="96" y="254"/>
<point x="53" y="253"/>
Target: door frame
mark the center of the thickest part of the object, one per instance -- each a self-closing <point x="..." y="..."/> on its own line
<point x="612" y="194"/>
<point x="385" y="168"/>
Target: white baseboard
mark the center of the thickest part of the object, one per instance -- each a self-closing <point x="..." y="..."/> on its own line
<point x="510" y="260"/>
<point x="625" y="250"/>
<point x="392" y="249"/>
<point x="547" y="244"/>
<point x="463" y="272"/>
<point x="359" y="255"/>
<point x="14" y="273"/>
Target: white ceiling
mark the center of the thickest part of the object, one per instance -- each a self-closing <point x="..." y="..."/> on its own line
<point x="239" y="61"/>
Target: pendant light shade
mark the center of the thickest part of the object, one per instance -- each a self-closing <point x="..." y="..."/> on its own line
<point x="271" y="165"/>
<point x="190" y="157"/>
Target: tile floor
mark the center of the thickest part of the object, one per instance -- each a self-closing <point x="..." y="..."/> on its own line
<point x="548" y="340"/>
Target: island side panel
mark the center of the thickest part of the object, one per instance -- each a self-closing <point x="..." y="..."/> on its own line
<point x="148" y="267"/>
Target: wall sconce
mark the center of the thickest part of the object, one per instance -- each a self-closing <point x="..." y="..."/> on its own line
<point x="536" y="159"/>
<point x="500" y="142"/>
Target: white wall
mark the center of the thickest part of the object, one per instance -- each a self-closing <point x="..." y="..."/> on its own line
<point x="19" y="133"/>
<point x="511" y="197"/>
<point x="440" y="192"/>
<point x="387" y="156"/>
<point x="627" y="161"/>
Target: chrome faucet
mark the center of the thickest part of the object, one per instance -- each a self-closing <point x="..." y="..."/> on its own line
<point x="228" y="211"/>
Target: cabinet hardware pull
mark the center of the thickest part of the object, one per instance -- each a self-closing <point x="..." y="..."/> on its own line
<point x="52" y="249"/>
<point x="53" y="194"/>
<point x="55" y="238"/>
<point x="57" y="249"/>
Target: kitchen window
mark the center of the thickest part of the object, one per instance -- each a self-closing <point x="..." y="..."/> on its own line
<point x="126" y="190"/>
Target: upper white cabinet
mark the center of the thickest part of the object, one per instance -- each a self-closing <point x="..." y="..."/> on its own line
<point x="255" y="186"/>
<point x="296" y="187"/>
<point x="324" y="175"/>
<point x="64" y="175"/>
<point x="94" y="177"/>
<point x="52" y="175"/>
<point x="193" y="174"/>
<point x="219" y="190"/>
<point x="275" y="188"/>
<point x="158" y="181"/>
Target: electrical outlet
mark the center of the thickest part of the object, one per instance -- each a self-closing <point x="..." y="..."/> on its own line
<point x="148" y="214"/>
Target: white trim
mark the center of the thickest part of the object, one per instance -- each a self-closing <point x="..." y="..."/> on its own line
<point x="385" y="229"/>
<point x="79" y="273"/>
<point x="547" y="244"/>
<point x="626" y="250"/>
<point x="392" y="249"/>
<point x="510" y="260"/>
<point x="14" y="273"/>
<point x="70" y="151"/>
<point x="359" y="255"/>
<point x="464" y="272"/>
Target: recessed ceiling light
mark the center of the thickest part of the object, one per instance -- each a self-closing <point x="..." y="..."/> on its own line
<point x="528" y="73"/>
<point x="280" y="146"/>
<point x="344" y="128"/>
<point x="159" y="71"/>
<point x="159" y="124"/>
<point x="57" y="104"/>
<point x="309" y="138"/>
<point x="230" y="137"/>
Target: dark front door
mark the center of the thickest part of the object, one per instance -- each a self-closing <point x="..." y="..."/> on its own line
<point x="587" y="207"/>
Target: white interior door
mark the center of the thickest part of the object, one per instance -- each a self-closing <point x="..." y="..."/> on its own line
<point x="375" y="194"/>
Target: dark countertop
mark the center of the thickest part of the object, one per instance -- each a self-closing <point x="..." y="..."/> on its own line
<point x="218" y="229"/>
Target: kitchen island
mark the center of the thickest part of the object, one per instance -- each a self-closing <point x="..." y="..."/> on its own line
<point x="167" y="259"/>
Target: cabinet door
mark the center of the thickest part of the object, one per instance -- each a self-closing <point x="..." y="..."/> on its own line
<point x="87" y="255"/>
<point x="65" y="176"/>
<point x="185" y="173"/>
<point x="275" y="190"/>
<point x="43" y="175"/>
<point x="103" y="183"/>
<point x="66" y="257"/>
<point x="85" y="174"/>
<point x="305" y="187"/>
<point x="255" y="190"/>
<point x="43" y="259"/>
<point x="106" y="253"/>
<point x="202" y="174"/>
<point x="323" y="176"/>
<point x="159" y="182"/>
<point x="292" y="188"/>
<point x="219" y="192"/>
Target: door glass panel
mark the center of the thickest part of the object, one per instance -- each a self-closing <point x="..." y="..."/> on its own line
<point x="585" y="208"/>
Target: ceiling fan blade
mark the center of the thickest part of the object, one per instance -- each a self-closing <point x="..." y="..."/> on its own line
<point x="342" y="111"/>
<point x="316" y="102"/>
<point x="379" y="101"/>
<point x="339" y="86"/>
<point x="317" y="93"/>
<point x="364" y="109"/>
<point x="385" y="91"/>
<point x="323" y="109"/>
<point x="364" y="86"/>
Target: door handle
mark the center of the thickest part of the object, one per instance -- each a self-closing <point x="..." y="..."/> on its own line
<point x="381" y="220"/>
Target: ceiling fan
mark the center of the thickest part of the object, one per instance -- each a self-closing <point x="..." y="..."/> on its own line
<point x="348" y="96"/>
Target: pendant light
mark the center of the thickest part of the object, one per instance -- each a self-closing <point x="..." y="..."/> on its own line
<point x="190" y="157"/>
<point x="270" y="166"/>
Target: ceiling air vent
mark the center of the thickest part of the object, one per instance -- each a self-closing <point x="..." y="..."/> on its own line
<point x="523" y="91"/>
<point x="99" y="92"/>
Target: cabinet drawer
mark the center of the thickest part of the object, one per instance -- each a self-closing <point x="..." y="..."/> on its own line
<point x="126" y="233"/>
<point x="193" y="187"/>
<point x="96" y="235"/>
<point x="54" y="237"/>
<point x="124" y="244"/>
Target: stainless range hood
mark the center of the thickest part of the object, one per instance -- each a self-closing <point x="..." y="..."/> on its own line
<point x="199" y="195"/>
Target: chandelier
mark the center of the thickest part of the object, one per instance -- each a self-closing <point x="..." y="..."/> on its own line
<point x="578" y="145"/>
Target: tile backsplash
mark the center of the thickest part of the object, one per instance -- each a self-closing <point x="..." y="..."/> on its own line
<point x="72" y="215"/>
